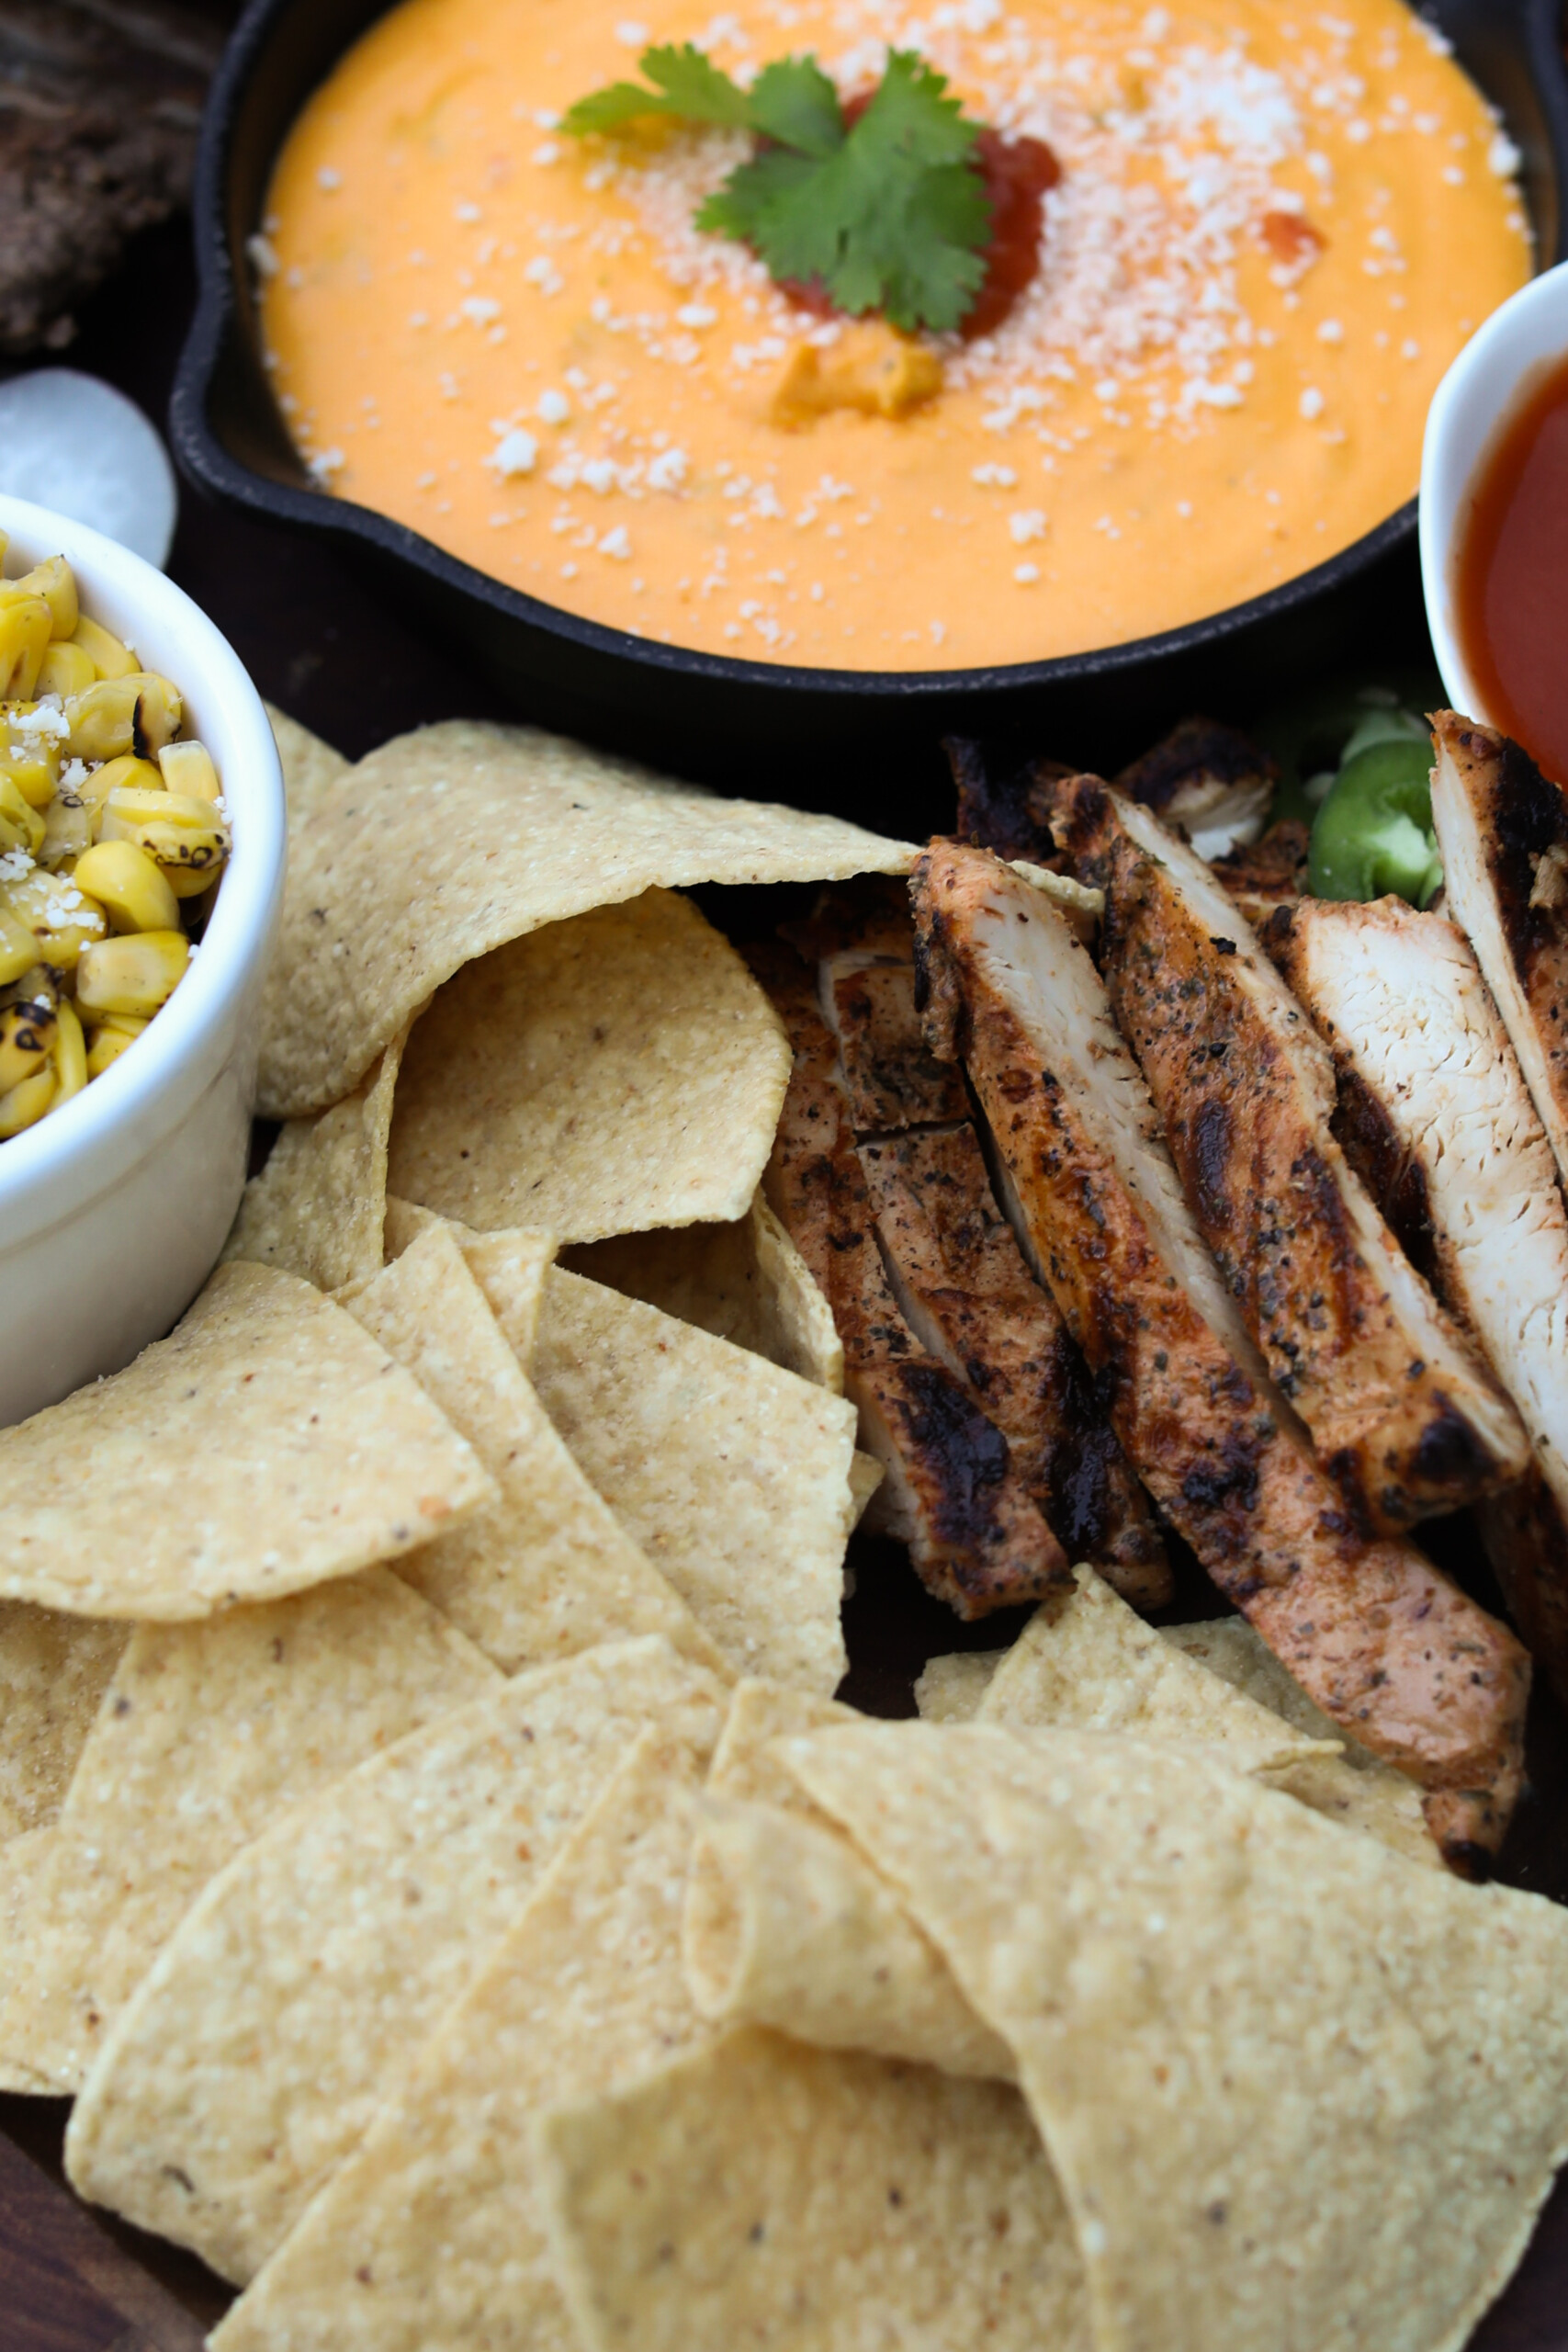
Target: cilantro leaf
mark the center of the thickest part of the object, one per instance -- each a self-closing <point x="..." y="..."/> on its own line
<point x="889" y="215"/>
<point x="686" y="85"/>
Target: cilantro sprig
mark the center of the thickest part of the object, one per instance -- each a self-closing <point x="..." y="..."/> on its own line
<point x="888" y="214"/>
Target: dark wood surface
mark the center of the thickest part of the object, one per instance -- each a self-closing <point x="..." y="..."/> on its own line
<point x="320" y="645"/>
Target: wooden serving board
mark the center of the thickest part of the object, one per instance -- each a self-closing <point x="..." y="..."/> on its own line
<point x="320" y="645"/>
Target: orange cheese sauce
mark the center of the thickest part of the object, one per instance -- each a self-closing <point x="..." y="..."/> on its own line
<point x="1276" y="226"/>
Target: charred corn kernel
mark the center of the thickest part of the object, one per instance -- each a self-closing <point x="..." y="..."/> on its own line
<point x="24" y="624"/>
<point x="67" y="831"/>
<point x="129" y="886"/>
<point x="63" y="919"/>
<point x="33" y="765"/>
<point x="132" y="975"/>
<point x="108" y="657"/>
<point x="98" y="782"/>
<point x="65" y="669"/>
<point x="28" y="1033"/>
<point x="26" y="1104"/>
<point x="139" y="712"/>
<point x="188" y="769"/>
<point x="18" y="948"/>
<point x="55" y="580"/>
<point x="176" y="832"/>
<point x="21" y="826"/>
<point x="69" y="1055"/>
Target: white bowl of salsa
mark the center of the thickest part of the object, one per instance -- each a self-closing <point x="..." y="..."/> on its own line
<point x="114" y="1207"/>
<point x="1494" y="521"/>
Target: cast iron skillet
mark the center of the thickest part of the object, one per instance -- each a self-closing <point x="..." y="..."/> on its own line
<point x="833" y="736"/>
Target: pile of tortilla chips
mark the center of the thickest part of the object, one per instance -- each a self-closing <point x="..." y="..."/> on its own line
<point x="430" y="1848"/>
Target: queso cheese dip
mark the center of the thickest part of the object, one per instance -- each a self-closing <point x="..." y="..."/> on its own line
<point x="1274" y="227"/>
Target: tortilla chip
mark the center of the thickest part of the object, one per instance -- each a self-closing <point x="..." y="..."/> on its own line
<point x="22" y="1861"/>
<point x="764" y="2194"/>
<point x="1092" y="1661"/>
<point x="733" y="1475"/>
<point x="949" y="1689"/>
<point x="545" y="1569"/>
<point x="53" y="1671"/>
<point x="606" y="1075"/>
<point x="448" y="842"/>
<point x="266" y="1445"/>
<point x="205" y="1733"/>
<point x="1297" y="2090"/>
<point x="787" y="1925"/>
<point x="237" y="2080"/>
<point x="429" y="2234"/>
<point x="318" y="1207"/>
<point x="1357" y="1789"/>
<point x="745" y="1282"/>
<point x="509" y="1266"/>
<point x="310" y="767"/>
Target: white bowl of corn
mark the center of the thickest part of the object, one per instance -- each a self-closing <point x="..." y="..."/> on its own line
<point x="141" y="859"/>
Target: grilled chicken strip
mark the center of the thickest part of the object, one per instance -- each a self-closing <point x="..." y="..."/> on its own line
<point x="951" y="1259"/>
<point x="952" y="1492"/>
<point x="966" y="1293"/>
<point x="1211" y="780"/>
<point x="1272" y="873"/>
<point x="1381" y="1641"/>
<point x="1437" y="1115"/>
<point x="1404" y="1414"/>
<point x="1503" y="829"/>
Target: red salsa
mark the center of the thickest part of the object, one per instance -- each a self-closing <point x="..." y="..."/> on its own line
<point x="1512" y="579"/>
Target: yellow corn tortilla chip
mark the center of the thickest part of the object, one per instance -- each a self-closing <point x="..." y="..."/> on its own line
<point x="764" y="2194"/>
<point x="545" y="1569"/>
<point x="788" y="1925"/>
<point x="732" y="1474"/>
<point x="1297" y="2090"/>
<point x="310" y="767"/>
<point x="1357" y="1789"/>
<point x="745" y="1282"/>
<point x="318" y="1208"/>
<point x="448" y="842"/>
<point x="236" y="2080"/>
<point x="949" y="1689"/>
<point x="54" y="1671"/>
<point x="205" y="1732"/>
<point x="266" y="1445"/>
<point x="22" y="1861"/>
<point x="1089" y="1659"/>
<point x="509" y="1266"/>
<point x="616" y="1072"/>
<point x="429" y="2234"/>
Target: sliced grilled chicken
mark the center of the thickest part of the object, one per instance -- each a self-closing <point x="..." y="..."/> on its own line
<point x="950" y="1491"/>
<point x="959" y="1277"/>
<point x="1503" y="829"/>
<point x="1381" y="1641"/>
<point x="1211" y="780"/>
<point x="1002" y="803"/>
<point x="1272" y="873"/>
<point x="1437" y="1115"/>
<point x="892" y="1078"/>
<point x="1404" y="1414"/>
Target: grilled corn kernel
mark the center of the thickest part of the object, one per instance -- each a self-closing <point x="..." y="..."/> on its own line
<point x="55" y="580"/>
<point x="25" y="623"/>
<point x="97" y="785"/>
<point x="176" y="832"/>
<point x="108" y="657"/>
<point x="26" y="1104"/>
<point x="129" y="886"/>
<point x="21" y="826"/>
<point x="61" y="920"/>
<point x="65" y="669"/>
<point x="69" y="1055"/>
<point x="188" y="769"/>
<point x="139" y="712"/>
<point x="33" y="765"/>
<point x="107" y="1045"/>
<point x="67" y="831"/>
<point x="18" y="948"/>
<point x="28" y="1032"/>
<point x="132" y="975"/>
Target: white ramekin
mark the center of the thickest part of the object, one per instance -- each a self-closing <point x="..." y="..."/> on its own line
<point x="1494" y="372"/>
<point x="113" y="1209"/>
